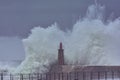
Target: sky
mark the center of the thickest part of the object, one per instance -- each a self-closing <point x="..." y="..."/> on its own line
<point x="11" y="49"/>
<point x="18" y="17"/>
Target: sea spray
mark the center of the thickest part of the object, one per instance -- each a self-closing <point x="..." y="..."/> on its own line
<point x="91" y="42"/>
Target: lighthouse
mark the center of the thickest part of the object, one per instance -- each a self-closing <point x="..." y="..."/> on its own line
<point x="60" y="55"/>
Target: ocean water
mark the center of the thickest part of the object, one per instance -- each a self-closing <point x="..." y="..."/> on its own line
<point x="92" y="41"/>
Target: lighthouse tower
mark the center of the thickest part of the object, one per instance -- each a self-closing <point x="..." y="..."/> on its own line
<point x="60" y="55"/>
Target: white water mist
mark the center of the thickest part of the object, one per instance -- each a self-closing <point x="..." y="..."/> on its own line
<point x="91" y="42"/>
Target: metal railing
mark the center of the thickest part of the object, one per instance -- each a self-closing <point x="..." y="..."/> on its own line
<point x="85" y="75"/>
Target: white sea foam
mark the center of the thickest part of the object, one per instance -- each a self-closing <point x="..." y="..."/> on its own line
<point x="91" y="42"/>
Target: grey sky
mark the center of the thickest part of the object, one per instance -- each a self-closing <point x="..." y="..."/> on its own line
<point x="18" y="17"/>
<point x="11" y="49"/>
